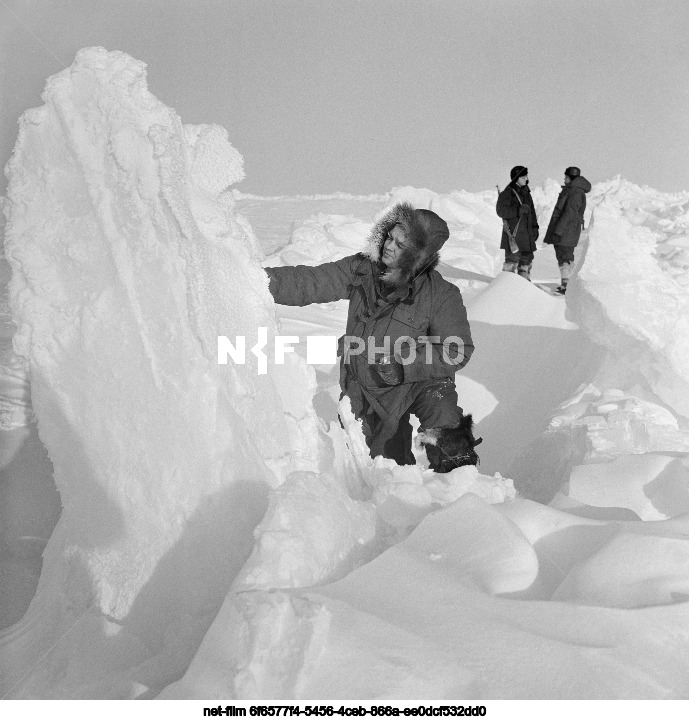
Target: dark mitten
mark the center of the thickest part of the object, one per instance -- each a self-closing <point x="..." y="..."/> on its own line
<point x="450" y="448"/>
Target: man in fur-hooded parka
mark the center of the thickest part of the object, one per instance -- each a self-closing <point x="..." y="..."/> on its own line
<point x="393" y="292"/>
<point x="567" y="221"/>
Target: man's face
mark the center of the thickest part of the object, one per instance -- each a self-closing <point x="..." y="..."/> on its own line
<point x="394" y="243"/>
<point x="522" y="181"/>
<point x="568" y="180"/>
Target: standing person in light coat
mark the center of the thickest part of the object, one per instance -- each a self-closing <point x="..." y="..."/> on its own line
<point x="567" y="221"/>
<point x="520" y="225"/>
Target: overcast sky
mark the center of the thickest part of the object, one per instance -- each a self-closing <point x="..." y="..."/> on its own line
<point x="361" y="96"/>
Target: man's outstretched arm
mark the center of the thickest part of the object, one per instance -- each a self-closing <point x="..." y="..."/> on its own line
<point x="305" y="284"/>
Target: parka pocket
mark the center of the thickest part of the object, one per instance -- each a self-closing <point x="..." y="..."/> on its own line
<point x="416" y="322"/>
<point x="407" y="323"/>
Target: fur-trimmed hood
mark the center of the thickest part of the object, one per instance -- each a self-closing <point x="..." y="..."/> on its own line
<point x="426" y="232"/>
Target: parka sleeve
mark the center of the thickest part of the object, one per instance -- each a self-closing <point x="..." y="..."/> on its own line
<point x="505" y="207"/>
<point x="306" y="284"/>
<point x="534" y="217"/>
<point x="454" y="346"/>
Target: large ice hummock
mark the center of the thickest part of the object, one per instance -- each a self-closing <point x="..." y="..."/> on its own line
<point x="635" y="302"/>
<point x="128" y="261"/>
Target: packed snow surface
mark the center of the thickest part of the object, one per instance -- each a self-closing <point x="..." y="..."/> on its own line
<point x="207" y="531"/>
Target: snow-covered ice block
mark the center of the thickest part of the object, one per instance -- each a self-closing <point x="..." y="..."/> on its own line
<point x="278" y="645"/>
<point x="399" y="494"/>
<point x="625" y="302"/>
<point x="312" y="531"/>
<point x="654" y="486"/>
<point x="128" y="263"/>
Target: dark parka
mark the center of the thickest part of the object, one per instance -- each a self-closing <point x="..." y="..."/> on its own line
<point x="507" y="207"/>
<point x="568" y="215"/>
<point x="422" y="303"/>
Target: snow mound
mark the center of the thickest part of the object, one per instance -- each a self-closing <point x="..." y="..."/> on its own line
<point x="435" y="616"/>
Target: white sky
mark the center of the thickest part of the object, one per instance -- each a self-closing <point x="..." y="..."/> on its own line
<point x="361" y="96"/>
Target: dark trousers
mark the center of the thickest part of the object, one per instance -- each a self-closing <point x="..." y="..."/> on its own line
<point x="564" y="254"/>
<point x="435" y="406"/>
<point x="521" y="257"/>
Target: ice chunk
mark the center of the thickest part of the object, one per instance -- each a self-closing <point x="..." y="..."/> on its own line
<point x="628" y="304"/>
<point x="655" y="487"/>
<point x="311" y="531"/>
<point x="128" y="262"/>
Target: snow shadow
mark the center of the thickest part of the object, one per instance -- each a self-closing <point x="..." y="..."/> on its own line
<point x="29" y="509"/>
<point x="119" y="658"/>
<point x="669" y="490"/>
<point x="198" y="570"/>
<point x="63" y="598"/>
<point x="559" y="552"/>
<point x="545" y="464"/>
<point x="530" y="371"/>
<point x="449" y="271"/>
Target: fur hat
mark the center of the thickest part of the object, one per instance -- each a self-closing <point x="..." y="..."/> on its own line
<point x="426" y="232"/>
<point x="572" y="172"/>
<point x="518" y="171"/>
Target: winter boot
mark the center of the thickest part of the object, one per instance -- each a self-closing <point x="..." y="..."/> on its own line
<point x="524" y="270"/>
<point x="566" y="270"/>
<point x="510" y="266"/>
<point x="450" y="448"/>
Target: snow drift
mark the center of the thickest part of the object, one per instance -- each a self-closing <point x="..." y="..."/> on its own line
<point x="223" y="534"/>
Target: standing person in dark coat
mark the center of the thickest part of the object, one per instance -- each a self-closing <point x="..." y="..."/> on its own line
<point x="520" y="225"/>
<point x="567" y="221"/>
<point x="394" y="293"/>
